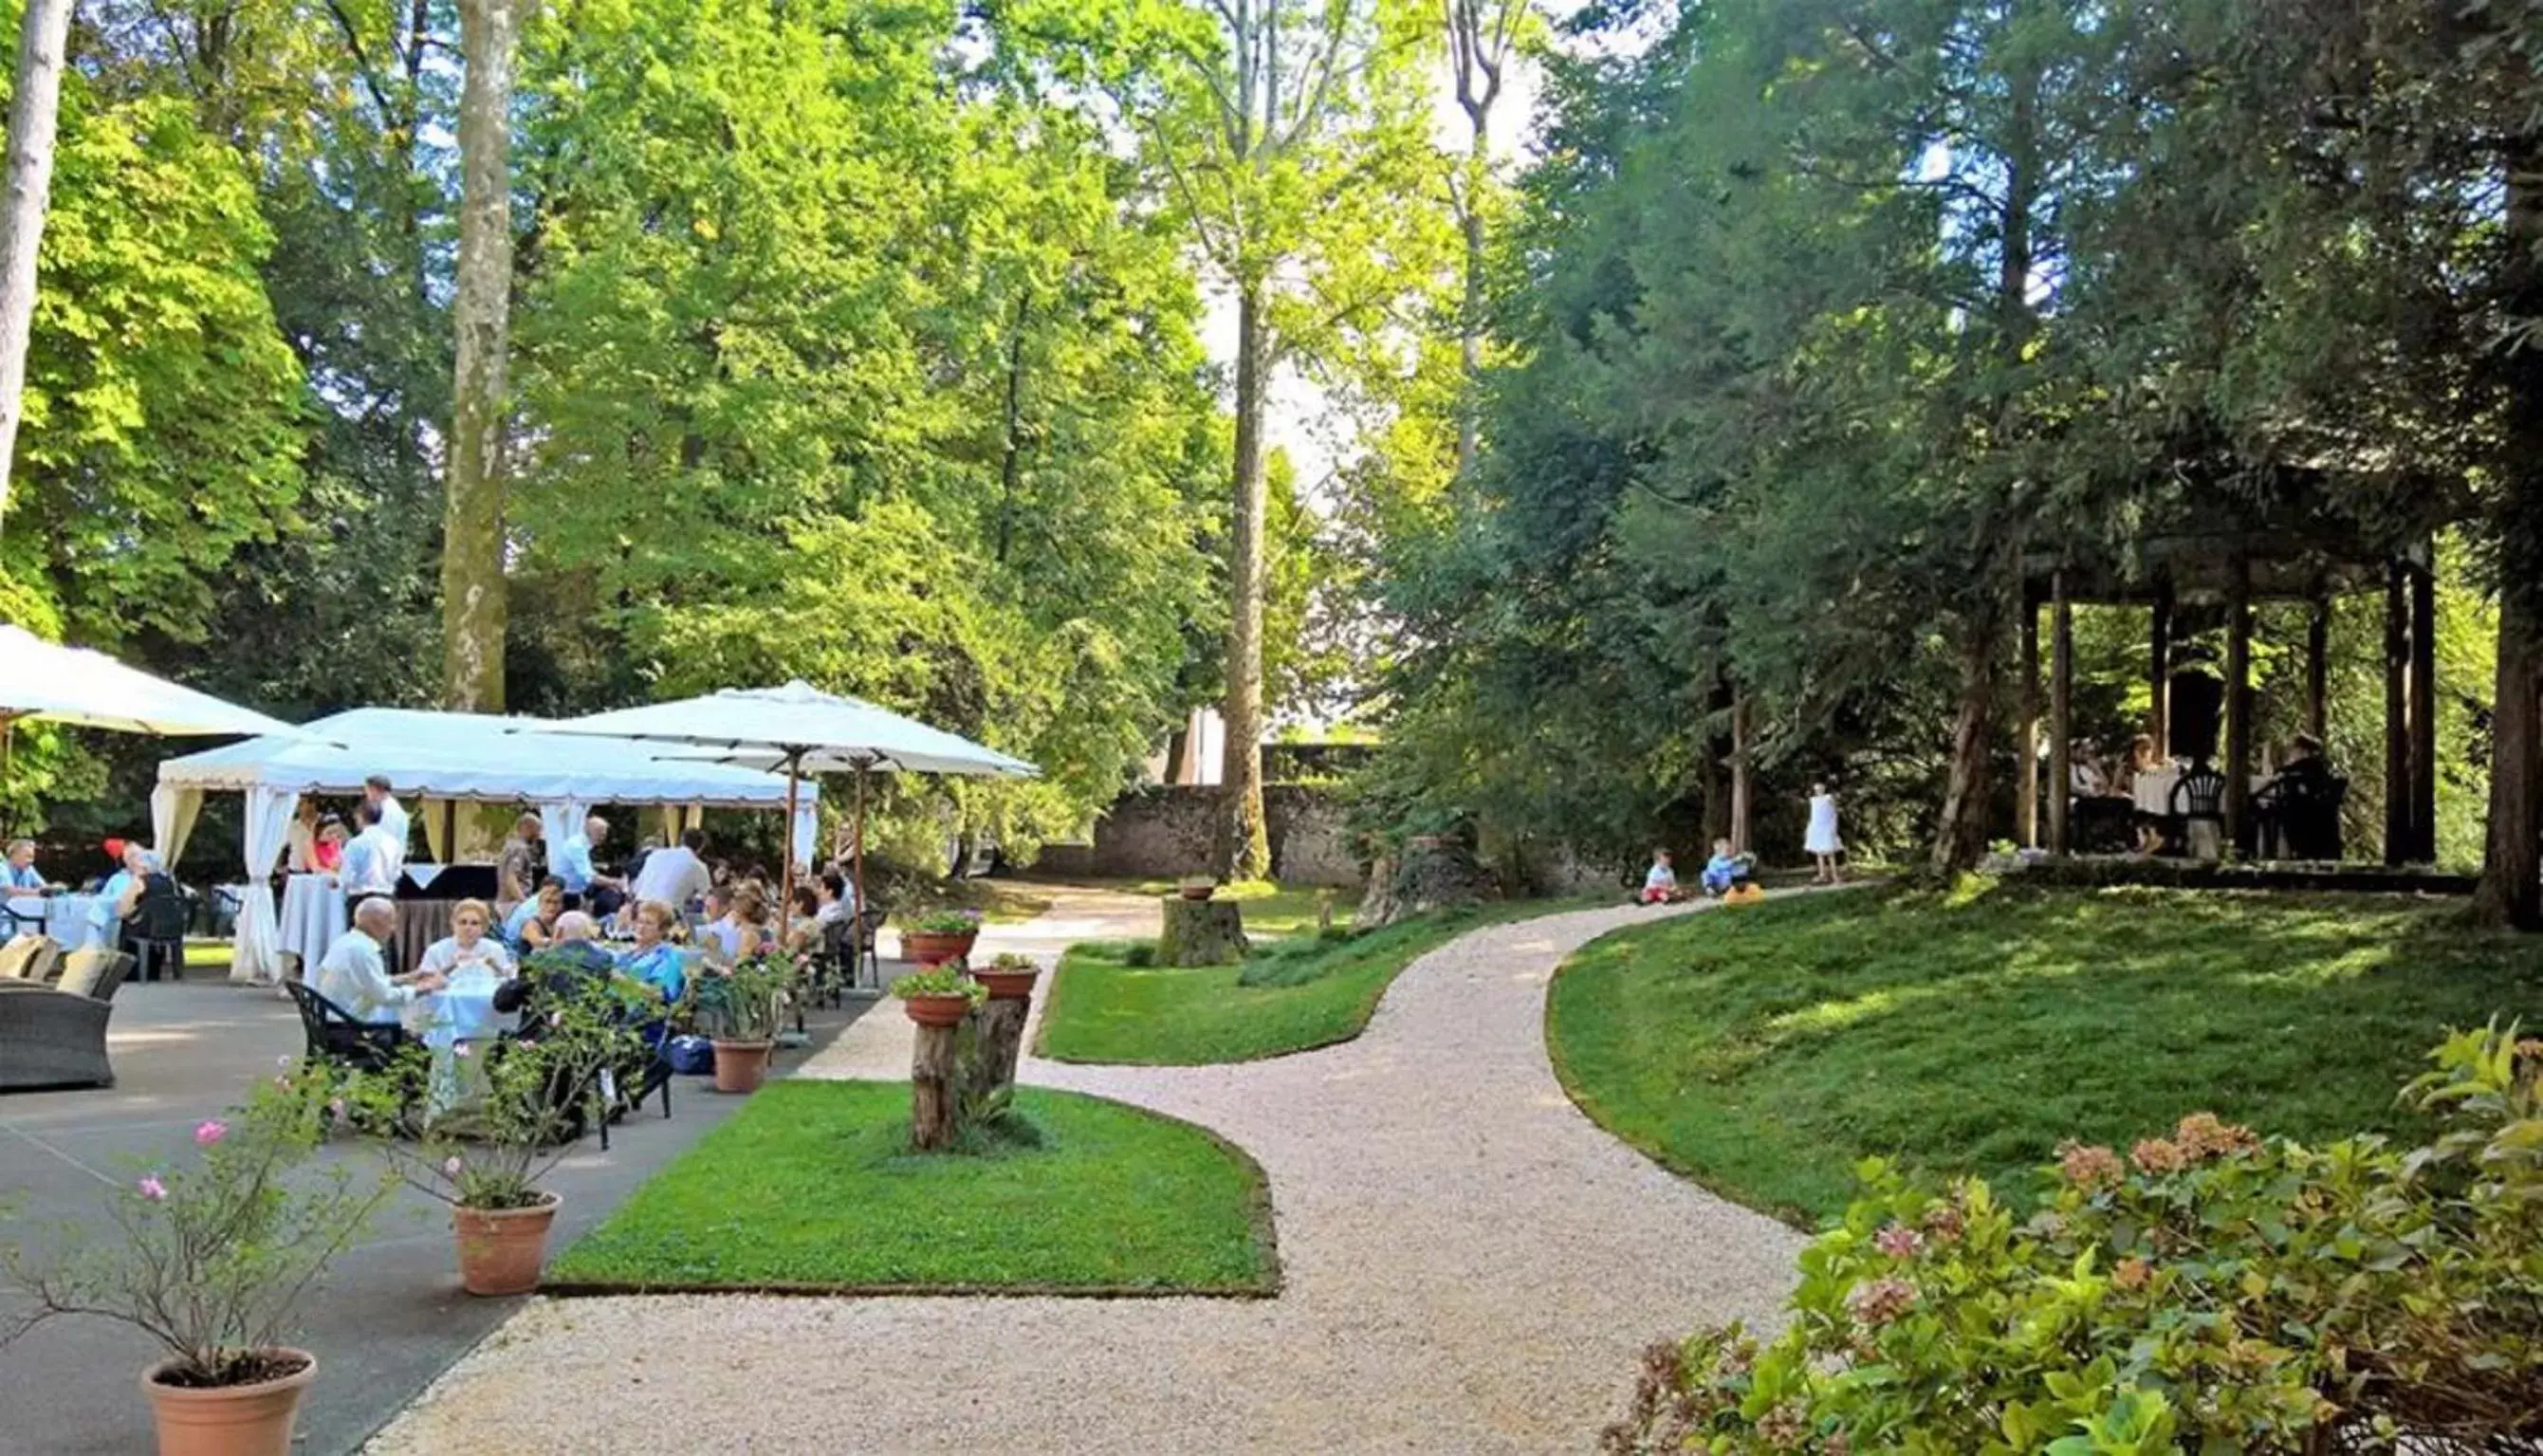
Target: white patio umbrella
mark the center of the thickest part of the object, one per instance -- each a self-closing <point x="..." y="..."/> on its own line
<point x="50" y="682"/>
<point x="803" y="730"/>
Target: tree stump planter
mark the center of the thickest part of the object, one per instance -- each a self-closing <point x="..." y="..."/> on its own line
<point x="936" y="1076"/>
<point x="999" y="1045"/>
<point x="1201" y="933"/>
<point x="230" y="1419"/>
<point x="935" y="949"/>
<point x="501" y="1250"/>
<point x="740" y="1066"/>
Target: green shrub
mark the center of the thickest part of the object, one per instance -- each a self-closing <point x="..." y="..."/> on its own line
<point x="2209" y="1292"/>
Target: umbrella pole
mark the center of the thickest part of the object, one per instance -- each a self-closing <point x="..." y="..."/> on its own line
<point x="786" y="845"/>
<point x="861" y="842"/>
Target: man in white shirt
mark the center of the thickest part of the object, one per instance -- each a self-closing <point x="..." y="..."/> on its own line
<point x="599" y="893"/>
<point x="676" y="876"/>
<point x="392" y="816"/>
<point x="354" y="974"/>
<point x="372" y="860"/>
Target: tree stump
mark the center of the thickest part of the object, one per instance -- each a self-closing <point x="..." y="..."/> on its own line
<point x="936" y="1087"/>
<point x="1201" y="933"/>
<point x="990" y="1075"/>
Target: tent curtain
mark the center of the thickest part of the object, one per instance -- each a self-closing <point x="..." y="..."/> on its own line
<point x="435" y="843"/>
<point x="172" y="820"/>
<point x="559" y="819"/>
<point x="808" y="831"/>
<point x="258" y="952"/>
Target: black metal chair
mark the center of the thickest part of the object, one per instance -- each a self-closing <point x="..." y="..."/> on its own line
<point x="869" y="958"/>
<point x="2200" y="799"/>
<point x="335" y="1034"/>
<point x="2306" y="811"/>
<point x="155" y="930"/>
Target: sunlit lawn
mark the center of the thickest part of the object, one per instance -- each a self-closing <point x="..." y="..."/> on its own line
<point x="812" y="1186"/>
<point x="1765" y="1049"/>
<point x="1269" y="910"/>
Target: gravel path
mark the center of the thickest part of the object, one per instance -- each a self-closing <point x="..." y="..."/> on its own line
<point x="1471" y="1267"/>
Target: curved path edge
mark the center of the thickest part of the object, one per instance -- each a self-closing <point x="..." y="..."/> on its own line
<point x="1468" y="1263"/>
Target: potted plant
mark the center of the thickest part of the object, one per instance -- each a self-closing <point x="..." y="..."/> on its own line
<point x="211" y="1261"/>
<point x="1196" y="886"/>
<point x="487" y="1157"/>
<point x="1009" y="977"/>
<point x="740" y="1010"/>
<point x="935" y="937"/>
<point x="940" y="996"/>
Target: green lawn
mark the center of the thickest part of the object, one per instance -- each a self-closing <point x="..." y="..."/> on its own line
<point x="1762" y="1050"/>
<point x="1269" y="910"/>
<point x="1105" y="1009"/>
<point x="812" y="1187"/>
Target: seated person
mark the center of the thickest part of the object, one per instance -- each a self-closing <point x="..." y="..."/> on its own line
<point x="834" y="899"/>
<point x="653" y="960"/>
<point x="2305" y="769"/>
<point x="533" y="923"/>
<point x="568" y="961"/>
<point x="23" y="874"/>
<point x="1659" y="885"/>
<point x="1725" y="869"/>
<point x="732" y="930"/>
<point x="468" y="947"/>
<point x="123" y="889"/>
<point x="804" y="927"/>
<point x="355" y="977"/>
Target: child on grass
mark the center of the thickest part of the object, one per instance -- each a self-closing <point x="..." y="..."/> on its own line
<point x="1723" y="869"/>
<point x="1659" y="887"/>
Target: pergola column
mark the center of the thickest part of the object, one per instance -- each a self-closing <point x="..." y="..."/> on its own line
<point x="2026" y="758"/>
<point x="2397" y="837"/>
<point x="2423" y="714"/>
<point x="2159" y="671"/>
<point x="2318" y="669"/>
<point x="2238" y="700"/>
<point x="2061" y="708"/>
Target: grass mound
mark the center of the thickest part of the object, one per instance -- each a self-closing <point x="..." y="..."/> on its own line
<point x="1111" y="1003"/>
<point x="1765" y="1050"/>
<point x="812" y="1186"/>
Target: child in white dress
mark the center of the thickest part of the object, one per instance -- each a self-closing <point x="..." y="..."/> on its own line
<point x="1821" y="839"/>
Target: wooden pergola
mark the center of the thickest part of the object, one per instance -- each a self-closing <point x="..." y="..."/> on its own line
<point x="2235" y="565"/>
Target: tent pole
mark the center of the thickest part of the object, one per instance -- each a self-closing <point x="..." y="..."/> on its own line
<point x="8" y="741"/>
<point x="786" y="844"/>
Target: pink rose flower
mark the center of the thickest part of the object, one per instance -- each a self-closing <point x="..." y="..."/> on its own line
<point x="450" y="1167"/>
<point x="211" y="1131"/>
<point x="152" y="1187"/>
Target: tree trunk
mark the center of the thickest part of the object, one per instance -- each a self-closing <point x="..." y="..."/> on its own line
<point x="1470" y="313"/>
<point x="1959" y="837"/>
<point x="472" y="554"/>
<point x="1249" y="851"/>
<point x="935" y="1088"/>
<point x="34" y="110"/>
<point x="1000" y="1046"/>
<point x="2511" y="875"/>
<point x="1201" y="933"/>
<point x="1717" y="763"/>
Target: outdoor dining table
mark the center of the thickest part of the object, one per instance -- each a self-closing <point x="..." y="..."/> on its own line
<point x="454" y="1022"/>
<point x="313" y="916"/>
<point x="73" y="920"/>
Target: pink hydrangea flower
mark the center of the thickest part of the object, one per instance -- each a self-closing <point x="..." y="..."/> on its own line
<point x="1898" y="1241"/>
<point x="2090" y="1167"/>
<point x="1881" y="1301"/>
<point x="152" y="1187"/>
<point x="211" y="1131"/>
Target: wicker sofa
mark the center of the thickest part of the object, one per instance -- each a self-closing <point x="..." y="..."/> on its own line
<point x="55" y="1035"/>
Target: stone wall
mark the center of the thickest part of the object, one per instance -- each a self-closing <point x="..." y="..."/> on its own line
<point x="1166" y="832"/>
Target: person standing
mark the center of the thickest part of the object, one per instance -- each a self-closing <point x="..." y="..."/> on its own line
<point x="393" y="816"/>
<point x="372" y="860"/>
<point x="677" y="876"/>
<point x="517" y="869"/>
<point x="302" y="856"/>
<point x="1820" y="839"/>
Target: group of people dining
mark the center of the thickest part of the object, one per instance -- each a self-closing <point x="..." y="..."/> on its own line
<point x="2136" y="799"/>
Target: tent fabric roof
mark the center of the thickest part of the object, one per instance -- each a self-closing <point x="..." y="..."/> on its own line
<point x="471" y="756"/>
<point x="47" y="680"/>
<point x="834" y="735"/>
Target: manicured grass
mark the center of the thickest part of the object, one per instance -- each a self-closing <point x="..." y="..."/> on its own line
<point x="1269" y="910"/>
<point x="1764" y="1050"/>
<point x="812" y="1186"/>
<point x="1104" y="1008"/>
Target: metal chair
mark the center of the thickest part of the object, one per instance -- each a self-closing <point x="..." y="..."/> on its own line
<point x="335" y="1034"/>
<point x="156" y="928"/>
<point x="869" y="938"/>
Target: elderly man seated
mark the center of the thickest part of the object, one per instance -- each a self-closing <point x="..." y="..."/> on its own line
<point x="23" y="874"/>
<point x="354" y="973"/>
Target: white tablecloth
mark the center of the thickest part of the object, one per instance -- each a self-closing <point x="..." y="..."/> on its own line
<point x="73" y="920"/>
<point x="313" y="917"/>
<point x="460" y="1013"/>
<point x="2152" y="789"/>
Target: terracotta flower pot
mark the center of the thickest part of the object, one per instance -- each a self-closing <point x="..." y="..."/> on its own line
<point x="1196" y="891"/>
<point x="936" y="1011"/>
<point x="1008" y="985"/>
<point x="229" y="1420"/>
<point x="740" y="1066"/>
<point x="936" y="949"/>
<point x="501" y="1250"/>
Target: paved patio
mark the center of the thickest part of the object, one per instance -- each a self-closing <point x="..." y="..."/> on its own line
<point x="392" y="1315"/>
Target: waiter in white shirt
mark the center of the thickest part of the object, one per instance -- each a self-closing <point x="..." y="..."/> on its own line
<point x="674" y="876"/>
<point x="372" y="860"/>
<point x="354" y="975"/>
<point x="393" y="816"/>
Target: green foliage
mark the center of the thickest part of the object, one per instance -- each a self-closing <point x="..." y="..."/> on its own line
<point x="211" y="1261"/>
<point x="748" y="1002"/>
<point x="947" y="979"/>
<point x="942" y="922"/>
<point x="1095" y="1195"/>
<point x="1763" y="1052"/>
<point x="2212" y="1292"/>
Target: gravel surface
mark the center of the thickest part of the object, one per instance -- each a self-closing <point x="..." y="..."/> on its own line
<point x="1470" y="1265"/>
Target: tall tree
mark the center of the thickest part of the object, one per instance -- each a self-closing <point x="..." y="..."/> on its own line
<point x="35" y="109"/>
<point x="1290" y="133"/>
<point x="472" y="552"/>
<point x="1484" y="37"/>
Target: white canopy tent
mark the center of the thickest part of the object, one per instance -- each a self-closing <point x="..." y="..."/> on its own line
<point x="453" y="758"/>
<point x="803" y="730"/>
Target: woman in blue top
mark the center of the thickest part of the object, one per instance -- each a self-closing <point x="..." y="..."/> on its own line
<point x="655" y="962"/>
<point x="533" y="923"/>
